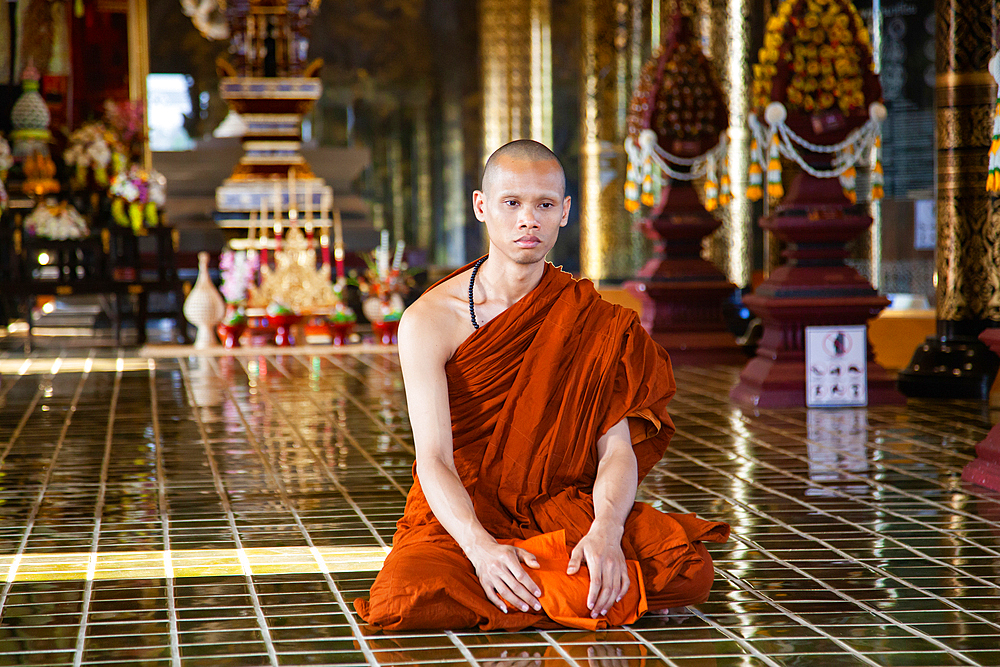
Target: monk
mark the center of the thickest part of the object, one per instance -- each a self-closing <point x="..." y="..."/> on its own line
<point x="536" y="409"/>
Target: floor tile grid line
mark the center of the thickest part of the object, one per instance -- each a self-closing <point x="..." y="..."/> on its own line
<point x="330" y="474"/>
<point x="723" y="384"/>
<point x="653" y="648"/>
<point x="873" y="568"/>
<point x="345" y="433"/>
<point x="741" y="583"/>
<point x="874" y="429"/>
<point x="875" y="446"/>
<point x="774" y="414"/>
<point x="224" y="499"/>
<point x="854" y="477"/>
<point x="6" y="386"/>
<point x="462" y="648"/>
<point x="29" y="409"/>
<point x="37" y="502"/>
<point x="279" y="484"/>
<point x="870" y="414"/>
<point x="393" y="358"/>
<point x="363" y="408"/>
<point x="740" y="641"/>
<point x="88" y="586"/>
<point x="815" y="508"/>
<point x="164" y="507"/>
<point x="563" y="653"/>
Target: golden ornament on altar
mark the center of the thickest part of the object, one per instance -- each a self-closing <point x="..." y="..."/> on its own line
<point x="295" y="283"/>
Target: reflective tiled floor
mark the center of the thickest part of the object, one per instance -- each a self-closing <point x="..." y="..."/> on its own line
<point x="227" y="510"/>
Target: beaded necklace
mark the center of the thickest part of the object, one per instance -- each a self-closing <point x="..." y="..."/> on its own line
<point x="472" y="281"/>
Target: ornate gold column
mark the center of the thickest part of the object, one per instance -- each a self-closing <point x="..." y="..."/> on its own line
<point x="955" y="364"/>
<point x="138" y="66"/>
<point x="450" y="251"/>
<point x="423" y="203"/>
<point x="613" y="41"/>
<point x="516" y="47"/>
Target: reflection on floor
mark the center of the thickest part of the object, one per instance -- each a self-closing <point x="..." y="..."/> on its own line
<point x="226" y="511"/>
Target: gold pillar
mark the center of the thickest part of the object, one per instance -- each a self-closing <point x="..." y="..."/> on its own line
<point x="954" y="363"/>
<point x="613" y="39"/>
<point x="968" y="253"/>
<point x="450" y="251"/>
<point x="397" y="178"/>
<point x="423" y="204"/>
<point x="516" y="46"/>
<point x="138" y="66"/>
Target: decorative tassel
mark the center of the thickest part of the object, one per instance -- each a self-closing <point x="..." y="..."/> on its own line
<point x="993" y="178"/>
<point x="756" y="174"/>
<point x="648" y="198"/>
<point x="848" y="179"/>
<point x="631" y="189"/>
<point x="711" y="189"/>
<point x="878" y="177"/>
<point x="774" y="188"/>
<point x="725" y="186"/>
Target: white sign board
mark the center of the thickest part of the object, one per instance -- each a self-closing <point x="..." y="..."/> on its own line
<point x="836" y="366"/>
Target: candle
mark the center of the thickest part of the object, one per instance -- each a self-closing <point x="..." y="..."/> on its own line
<point x="309" y="211"/>
<point x="338" y="248"/>
<point x="309" y="200"/>
<point x="324" y="243"/>
<point x="262" y="237"/>
<point x="277" y="219"/>
<point x="293" y="198"/>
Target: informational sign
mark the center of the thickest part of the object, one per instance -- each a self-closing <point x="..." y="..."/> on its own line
<point x="836" y="366"/>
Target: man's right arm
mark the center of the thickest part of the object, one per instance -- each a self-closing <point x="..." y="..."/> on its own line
<point x="423" y="353"/>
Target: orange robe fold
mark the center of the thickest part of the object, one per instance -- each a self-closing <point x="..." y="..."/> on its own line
<point x="530" y="394"/>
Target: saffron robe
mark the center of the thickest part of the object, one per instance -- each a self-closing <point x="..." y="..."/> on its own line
<point x="530" y="393"/>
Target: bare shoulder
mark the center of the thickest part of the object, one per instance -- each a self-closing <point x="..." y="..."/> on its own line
<point x="437" y="323"/>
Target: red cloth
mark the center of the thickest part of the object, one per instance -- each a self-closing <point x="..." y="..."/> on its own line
<point x="530" y="393"/>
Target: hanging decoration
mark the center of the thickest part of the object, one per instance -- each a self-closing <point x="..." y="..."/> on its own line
<point x="816" y="64"/>
<point x="677" y="123"/>
<point x="993" y="177"/>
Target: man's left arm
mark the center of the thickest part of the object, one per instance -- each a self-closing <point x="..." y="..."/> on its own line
<point x="614" y="495"/>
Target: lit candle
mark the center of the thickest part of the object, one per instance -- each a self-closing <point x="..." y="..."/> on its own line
<point x="325" y="202"/>
<point x="309" y="211"/>
<point x="309" y="200"/>
<point x="293" y="198"/>
<point x="277" y="218"/>
<point x="324" y="244"/>
<point x="338" y="248"/>
<point x="262" y="238"/>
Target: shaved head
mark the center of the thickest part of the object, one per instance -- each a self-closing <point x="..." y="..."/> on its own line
<point x="526" y="150"/>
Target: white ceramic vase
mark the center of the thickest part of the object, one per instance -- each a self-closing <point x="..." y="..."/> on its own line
<point x="204" y="306"/>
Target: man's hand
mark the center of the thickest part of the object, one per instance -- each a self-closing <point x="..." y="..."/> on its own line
<point x="602" y="549"/>
<point x="503" y="578"/>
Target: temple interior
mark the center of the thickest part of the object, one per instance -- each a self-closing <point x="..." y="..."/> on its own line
<point x="214" y="214"/>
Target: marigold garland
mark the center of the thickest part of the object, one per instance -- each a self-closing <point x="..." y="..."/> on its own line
<point x="993" y="176"/>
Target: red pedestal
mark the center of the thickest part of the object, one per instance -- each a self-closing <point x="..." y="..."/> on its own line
<point x="682" y="293"/>
<point x="340" y="332"/>
<point x="985" y="470"/>
<point x="385" y="332"/>
<point x="283" y="326"/>
<point x="813" y="288"/>
<point x="230" y="334"/>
